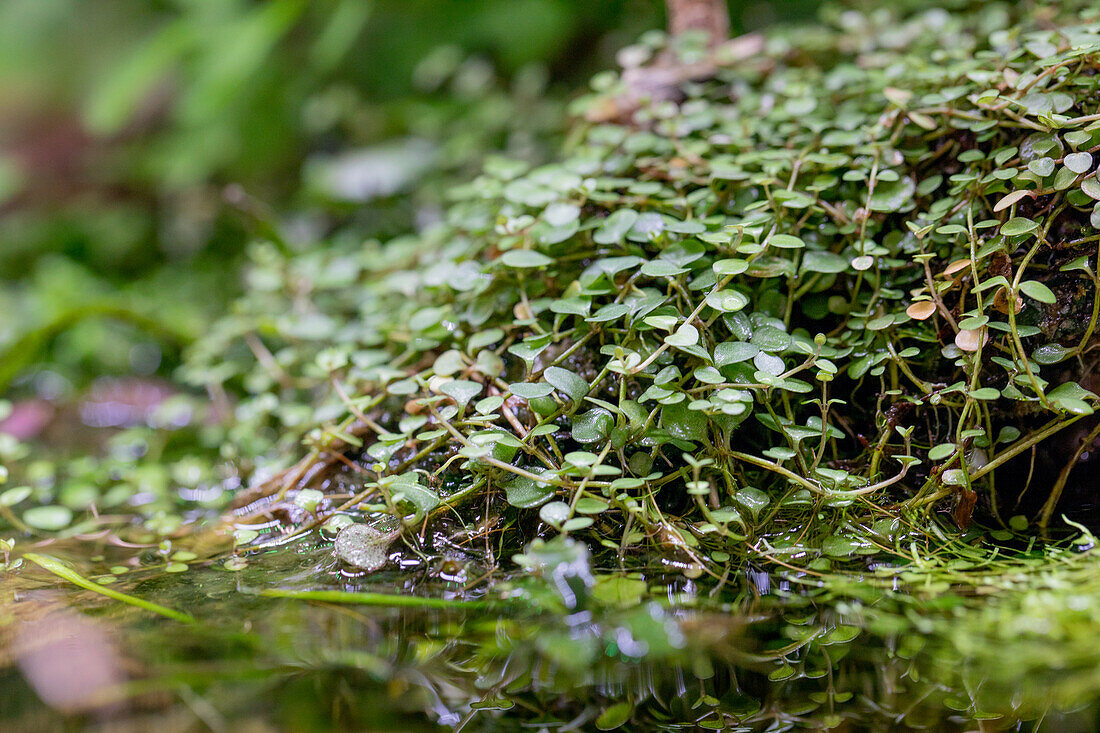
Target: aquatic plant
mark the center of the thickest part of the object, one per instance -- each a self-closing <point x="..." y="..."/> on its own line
<point x="840" y="269"/>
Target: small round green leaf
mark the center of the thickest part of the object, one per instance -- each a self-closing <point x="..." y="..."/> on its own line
<point x="1078" y="162"/>
<point x="786" y="241"/>
<point x="524" y="258"/>
<point x="49" y="518"/>
<point x="568" y="382"/>
<point x="1037" y="291"/>
<point x="1017" y="226"/>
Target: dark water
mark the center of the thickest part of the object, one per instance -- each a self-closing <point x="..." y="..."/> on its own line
<point x="1003" y="639"/>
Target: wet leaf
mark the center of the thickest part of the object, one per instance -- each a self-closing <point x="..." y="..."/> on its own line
<point x="752" y="500"/>
<point x="594" y="425"/>
<point x="364" y="546"/>
<point x="893" y="196"/>
<point x="1041" y="167"/>
<point x="526" y="493"/>
<point x="731" y="267"/>
<point x="732" y="352"/>
<point x="727" y="301"/>
<point x="1050" y="354"/>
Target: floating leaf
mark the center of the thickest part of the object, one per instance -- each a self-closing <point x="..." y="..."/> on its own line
<point x="64" y="572"/>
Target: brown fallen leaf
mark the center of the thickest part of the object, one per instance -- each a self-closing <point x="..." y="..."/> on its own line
<point x="921" y="310"/>
<point x="971" y="339"/>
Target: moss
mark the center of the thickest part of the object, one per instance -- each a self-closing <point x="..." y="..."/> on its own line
<point x="851" y="268"/>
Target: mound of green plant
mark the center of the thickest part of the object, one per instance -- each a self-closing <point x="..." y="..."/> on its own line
<point x="835" y="275"/>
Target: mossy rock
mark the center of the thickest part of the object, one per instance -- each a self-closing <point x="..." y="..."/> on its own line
<point x="852" y="267"/>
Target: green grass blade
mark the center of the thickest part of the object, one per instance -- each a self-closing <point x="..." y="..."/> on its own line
<point x="66" y="573"/>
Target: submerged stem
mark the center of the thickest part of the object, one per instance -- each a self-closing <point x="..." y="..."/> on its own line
<point x="380" y="599"/>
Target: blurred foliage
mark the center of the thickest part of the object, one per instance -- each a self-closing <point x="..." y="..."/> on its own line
<point x="120" y="124"/>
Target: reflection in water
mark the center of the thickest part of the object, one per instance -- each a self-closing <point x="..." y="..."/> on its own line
<point x="575" y="650"/>
<point x="70" y="661"/>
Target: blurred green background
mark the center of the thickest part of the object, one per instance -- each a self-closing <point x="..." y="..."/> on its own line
<point x="143" y="143"/>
